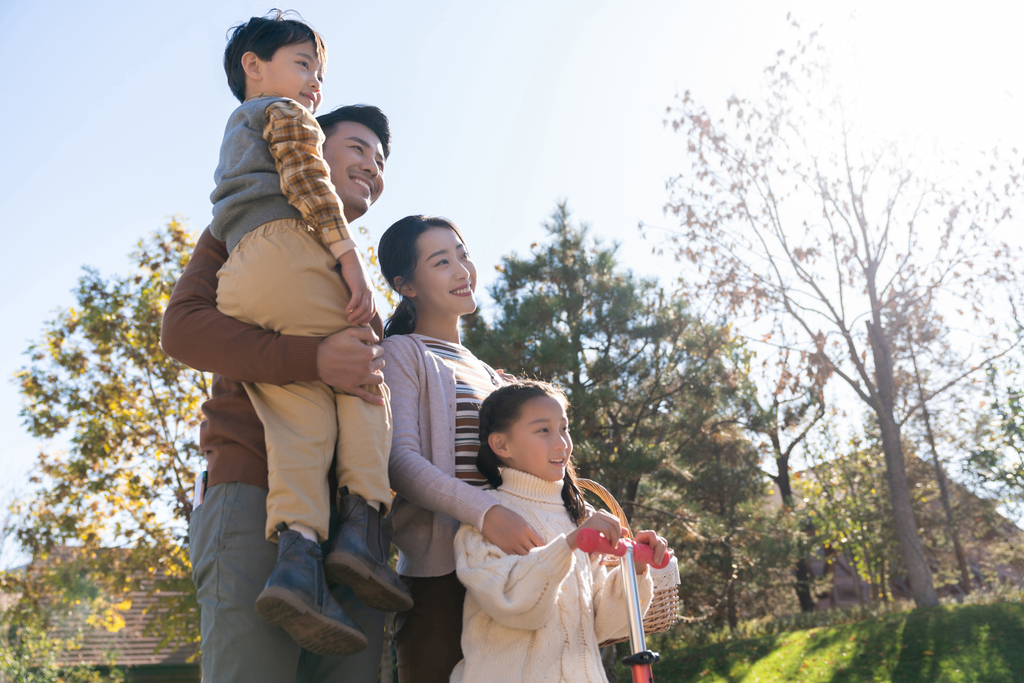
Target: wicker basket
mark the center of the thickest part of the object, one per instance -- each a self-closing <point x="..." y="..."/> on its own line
<point x="664" y="609"/>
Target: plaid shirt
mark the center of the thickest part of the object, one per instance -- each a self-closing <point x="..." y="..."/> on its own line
<point x="296" y="144"/>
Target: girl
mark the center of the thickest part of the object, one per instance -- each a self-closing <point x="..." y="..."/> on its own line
<point x="436" y="389"/>
<point x="539" y="617"/>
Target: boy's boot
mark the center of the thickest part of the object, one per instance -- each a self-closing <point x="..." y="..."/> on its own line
<point x="359" y="557"/>
<point x="296" y="599"/>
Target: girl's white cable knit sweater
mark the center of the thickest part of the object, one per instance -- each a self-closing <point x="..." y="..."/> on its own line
<point x="537" y="617"/>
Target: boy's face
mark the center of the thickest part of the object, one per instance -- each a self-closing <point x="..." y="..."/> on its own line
<point x="356" y="159"/>
<point x="293" y="72"/>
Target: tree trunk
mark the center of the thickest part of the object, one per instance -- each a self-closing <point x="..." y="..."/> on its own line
<point x="803" y="586"/>
<point x="918" y="572"/>
<point x="940" y="477"/>
<point x="954" y="535"/>
<point x="628" y="507"/>
<point x="858" y="583"/>
<point x="803" y="572"/>
<point x="730" y="606"/>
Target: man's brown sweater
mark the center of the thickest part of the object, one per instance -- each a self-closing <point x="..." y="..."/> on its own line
<point x="197" y="334"/>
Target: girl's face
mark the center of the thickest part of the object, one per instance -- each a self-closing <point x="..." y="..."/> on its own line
<point x="538" y="442"/>
<point x="444" y="281"/>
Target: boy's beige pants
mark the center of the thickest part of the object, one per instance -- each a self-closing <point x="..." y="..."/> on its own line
<point x="282" y="278"/>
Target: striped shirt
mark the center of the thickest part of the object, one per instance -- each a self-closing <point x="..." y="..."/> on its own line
<point x="473" y="383"/>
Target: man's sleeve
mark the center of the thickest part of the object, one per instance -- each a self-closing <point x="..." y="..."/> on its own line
<point x="197" y="334"/>
<point x="296" y="143"/>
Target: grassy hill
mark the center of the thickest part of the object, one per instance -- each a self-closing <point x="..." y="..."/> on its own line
<point x="951" y="644"/>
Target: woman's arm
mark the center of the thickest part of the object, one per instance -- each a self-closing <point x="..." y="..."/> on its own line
<point x="421" y="482"/>
<point x="518" y="591"/>
<point x="413" y="476"/>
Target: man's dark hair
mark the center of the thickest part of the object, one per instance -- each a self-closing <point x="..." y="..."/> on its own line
<point x="264" y="36"/>
<point x="366" y="114"/>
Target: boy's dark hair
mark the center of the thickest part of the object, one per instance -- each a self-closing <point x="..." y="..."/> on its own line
<point x="398" y="255"/>
<point x="497" y="414"/>
<point x="264" y="36"/>
<point x="366" y="114"/>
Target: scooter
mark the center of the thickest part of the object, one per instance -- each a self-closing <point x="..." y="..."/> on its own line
<point x="640" y="659"/>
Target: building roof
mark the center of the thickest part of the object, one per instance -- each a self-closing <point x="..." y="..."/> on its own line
<point x="129" y="645"/>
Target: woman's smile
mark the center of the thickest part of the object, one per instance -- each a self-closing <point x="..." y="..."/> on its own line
<point x="442" y="284"/>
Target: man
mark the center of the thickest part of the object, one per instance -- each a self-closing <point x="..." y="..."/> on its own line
<point x="230" y="555"/>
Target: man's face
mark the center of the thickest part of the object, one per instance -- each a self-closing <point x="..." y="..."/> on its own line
<point x="356" y="159"/>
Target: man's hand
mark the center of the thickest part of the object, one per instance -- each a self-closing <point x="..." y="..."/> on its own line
<point x="510" y="532"/>
<point x="361" y="307"/>
<point x="349" y="359"/>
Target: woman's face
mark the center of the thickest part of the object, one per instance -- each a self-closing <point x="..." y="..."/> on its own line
<point x="444" y="281"/>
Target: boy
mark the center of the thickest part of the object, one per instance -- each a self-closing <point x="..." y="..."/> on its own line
<point x="282" y="222"/>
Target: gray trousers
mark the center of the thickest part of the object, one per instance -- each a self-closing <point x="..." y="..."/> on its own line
<point x="231" y="560"/>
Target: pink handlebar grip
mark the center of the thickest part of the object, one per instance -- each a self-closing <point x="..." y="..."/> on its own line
<point x="592" y="541"/>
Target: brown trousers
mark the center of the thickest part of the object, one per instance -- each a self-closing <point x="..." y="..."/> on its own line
<point x="281" y="278"/>
<point x="428" y="638"/>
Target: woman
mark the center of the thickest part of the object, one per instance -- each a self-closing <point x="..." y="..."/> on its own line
<point x="437" y="386"/>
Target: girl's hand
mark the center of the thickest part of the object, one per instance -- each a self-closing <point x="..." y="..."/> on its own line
<point x="605" y="523"/>
<point x="658" y="544"/>
<point x="510" y="532"/>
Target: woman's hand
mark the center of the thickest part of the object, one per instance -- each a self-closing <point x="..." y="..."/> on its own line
<point x="605" y="523"/>
<point x="658" y="544"/>
<point x="510" y="532"/>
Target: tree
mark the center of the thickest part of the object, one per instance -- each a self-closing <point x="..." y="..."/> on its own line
<point x="997" y="461"/>
<point x="108" y="516"/>
<point x="847" y="499"/>
<point x="794" y="219"/>
<point x="31" y="655"/>
<point x="644" y="377"/>
<point x="845" y="493"/>
<point x="656" y="395"/>
<point x="745" y="545"/>
<point x="920" y="330"/>
<point x="796" y="405"/>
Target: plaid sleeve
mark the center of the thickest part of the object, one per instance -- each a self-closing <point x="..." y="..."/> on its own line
<point x="296" y="143"/>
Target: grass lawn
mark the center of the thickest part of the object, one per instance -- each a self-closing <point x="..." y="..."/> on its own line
<point x="982" y="643"/>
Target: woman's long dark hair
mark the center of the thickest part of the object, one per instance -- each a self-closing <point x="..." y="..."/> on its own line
<point x="397" y="255"/>
<point x="498" y="412"/>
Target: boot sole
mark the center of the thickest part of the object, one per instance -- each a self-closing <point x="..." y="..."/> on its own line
<point x="342" y="568"/>
<point x="313" y="631"/>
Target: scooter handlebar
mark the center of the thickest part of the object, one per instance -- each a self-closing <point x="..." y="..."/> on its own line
<point x="592" y="541"/>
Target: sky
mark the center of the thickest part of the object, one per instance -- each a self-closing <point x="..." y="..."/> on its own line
<point x="498" y="109"/>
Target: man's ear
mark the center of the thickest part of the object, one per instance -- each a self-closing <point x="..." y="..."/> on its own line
<point x="404" y="288"/>
<point x="498" y="444"/>
<point x="252" y="66"/>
